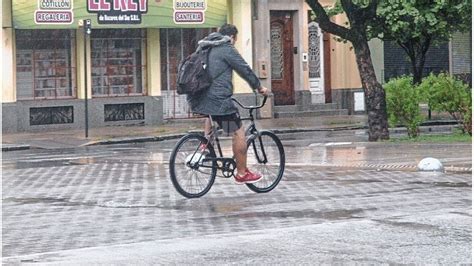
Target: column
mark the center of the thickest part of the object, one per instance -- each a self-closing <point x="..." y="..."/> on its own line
<point x="153" y="61"/>
<point x="241" y="16"/>
<point x="80" y="74"/>
<point x="8" y="69"/>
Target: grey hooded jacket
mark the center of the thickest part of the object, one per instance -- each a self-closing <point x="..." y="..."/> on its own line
<point x="223" y="58"/>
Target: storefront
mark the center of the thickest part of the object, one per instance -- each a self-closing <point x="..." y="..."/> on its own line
<point x="131" y="57"/>
<point x="133" y="51"/>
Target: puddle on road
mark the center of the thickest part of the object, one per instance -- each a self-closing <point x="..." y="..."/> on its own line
<point x="359" y="181"/>
<point x="410" y="225"/>
<point x="328" y="153"/>
<point x="38" y="163"/>
<point x="47" y="200"/>
<point x="451" y="184"/>
<point x="308" y="213"/>
<point x="443" y="184"/>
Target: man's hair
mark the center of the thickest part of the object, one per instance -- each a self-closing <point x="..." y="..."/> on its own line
<point x="228" y="29"/>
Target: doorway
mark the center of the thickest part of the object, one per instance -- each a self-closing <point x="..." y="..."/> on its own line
<point x="282" y="49"/>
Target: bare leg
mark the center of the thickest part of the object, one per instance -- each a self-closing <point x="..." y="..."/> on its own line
<point x="239" y="147"/>
<point x="207" y="127"/>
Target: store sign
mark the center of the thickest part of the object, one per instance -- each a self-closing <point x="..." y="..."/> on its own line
<point x="189" y="11"/>
<point x="118" y="11"/>
<point x="109" y="14"/>
<point x="55" y="4"/>
<point x="54" y="12"/>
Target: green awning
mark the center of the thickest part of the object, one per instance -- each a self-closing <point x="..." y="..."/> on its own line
<point x="66" y="14"/>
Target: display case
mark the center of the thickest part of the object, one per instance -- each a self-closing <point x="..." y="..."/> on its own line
<point x="118" y="63"/>
<point x="115" y="74"/>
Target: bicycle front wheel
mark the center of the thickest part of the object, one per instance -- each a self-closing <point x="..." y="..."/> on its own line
<point x="192" y="175"/>
<point x="266" y="155"/>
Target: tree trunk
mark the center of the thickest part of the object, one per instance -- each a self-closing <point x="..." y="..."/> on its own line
<point x="375" y="95"/>
<point x="418" y="68"/>
<point x="416" y="50"/>
<point x="356" y="34"/>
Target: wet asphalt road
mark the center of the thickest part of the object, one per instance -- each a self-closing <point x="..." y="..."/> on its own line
<point x="115" y="204"/>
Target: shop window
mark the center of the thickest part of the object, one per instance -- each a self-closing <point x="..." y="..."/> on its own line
<point x="176" y="44"/>
<point x="118" y="62"/>
<point x="45" y="64"/>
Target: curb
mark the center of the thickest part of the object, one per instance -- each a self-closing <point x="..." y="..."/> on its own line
<point x="180" y="135"/>
<point x="276" y="131"/>
<point x="302" y="130"/>
<point x="135" y="140"/>
<point x="383" y="167"/>
<point x="125" y="140"/>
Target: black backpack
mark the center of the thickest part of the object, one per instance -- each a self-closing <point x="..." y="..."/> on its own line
<point x="193" y="77"/>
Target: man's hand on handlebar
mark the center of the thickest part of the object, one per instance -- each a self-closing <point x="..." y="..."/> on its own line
<point x="264" y="91"/>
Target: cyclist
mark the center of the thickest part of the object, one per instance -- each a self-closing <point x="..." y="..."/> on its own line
<point x="217" y="102"/>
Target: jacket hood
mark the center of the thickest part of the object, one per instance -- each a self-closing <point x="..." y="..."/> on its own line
<point x="214" y="39"/>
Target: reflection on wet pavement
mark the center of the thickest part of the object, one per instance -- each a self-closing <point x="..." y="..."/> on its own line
<point x="92" y="196"/>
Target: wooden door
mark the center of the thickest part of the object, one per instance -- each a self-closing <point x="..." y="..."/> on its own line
<point x="281" y="30"/>
<point x="327" y="68"/>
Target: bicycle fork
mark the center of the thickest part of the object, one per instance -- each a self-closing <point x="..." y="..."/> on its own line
<point x="262" y="156"/>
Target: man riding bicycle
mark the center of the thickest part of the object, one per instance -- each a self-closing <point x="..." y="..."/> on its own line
<point x="217" y="100"/>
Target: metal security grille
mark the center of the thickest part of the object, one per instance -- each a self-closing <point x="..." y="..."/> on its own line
<point x="45" y="64"/>
<point x="124" y="112"/>
<point x="176" y="44"/>
<point x="314" y="50"/>
<point x="118" y="62"/>
<point x="277" y="50"/>
<point x="316" y="63"/>
<point x="51" y="115"/>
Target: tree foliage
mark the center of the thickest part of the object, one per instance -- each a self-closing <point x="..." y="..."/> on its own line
<point x="405" y="20"/>
<point x="403" y="104"/>
<point x="448" y="94"/>
<point x="415" y="25"/>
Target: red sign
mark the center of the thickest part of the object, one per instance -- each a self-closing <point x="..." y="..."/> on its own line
<point x="118" y="11"/>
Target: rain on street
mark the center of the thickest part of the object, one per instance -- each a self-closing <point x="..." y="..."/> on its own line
<point x="340" y="200"/>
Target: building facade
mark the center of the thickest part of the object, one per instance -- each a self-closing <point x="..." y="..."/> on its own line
<point x="126" y="67"/>
<point x="304" y="66"/>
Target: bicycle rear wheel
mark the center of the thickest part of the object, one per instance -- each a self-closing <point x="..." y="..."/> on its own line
<point x="266" y="155"/>
<point x="192" y="175"/>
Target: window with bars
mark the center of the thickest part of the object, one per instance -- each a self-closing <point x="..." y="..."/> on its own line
<point x="176" y="44"/>
<point x="45" y="64"/>
<point x="118" y="62"/>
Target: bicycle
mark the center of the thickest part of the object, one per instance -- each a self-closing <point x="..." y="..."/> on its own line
<point x="193" y="162"/>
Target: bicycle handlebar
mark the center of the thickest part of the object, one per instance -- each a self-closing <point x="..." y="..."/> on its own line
<point x="251" y="107"/>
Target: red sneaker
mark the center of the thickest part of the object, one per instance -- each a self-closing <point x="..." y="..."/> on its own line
<point x="248" y="178"/>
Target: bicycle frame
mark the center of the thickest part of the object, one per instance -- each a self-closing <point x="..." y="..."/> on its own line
<point x="229" y="164"/>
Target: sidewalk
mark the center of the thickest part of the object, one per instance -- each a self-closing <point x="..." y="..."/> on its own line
<point x="174" y="129"/>
<point x="171" y="129"/>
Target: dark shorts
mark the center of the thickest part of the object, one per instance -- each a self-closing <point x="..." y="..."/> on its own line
<point x="229" y="123"/>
